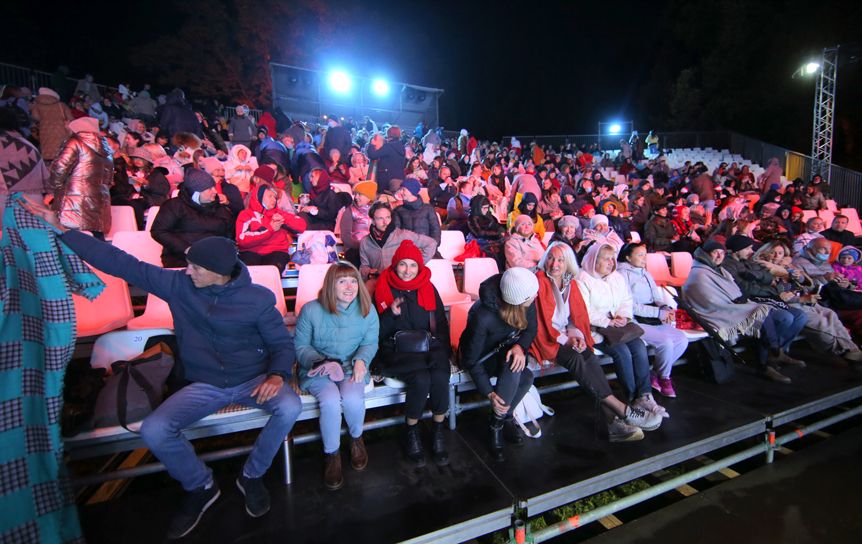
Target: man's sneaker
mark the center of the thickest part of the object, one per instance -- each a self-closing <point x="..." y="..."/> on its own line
<point x="620" y="431"/>
<point x="256" y="495"/>
<point x="647" y="402"/>
<point x="771" y="373"/>
<point x="666" y="388"/>
<point x="192" y="509"/>
<point x="644" y="419"/>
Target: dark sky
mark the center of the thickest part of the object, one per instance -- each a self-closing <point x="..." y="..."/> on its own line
<point x="531" y="67"/>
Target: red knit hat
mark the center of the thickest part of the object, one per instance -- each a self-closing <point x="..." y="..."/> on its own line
<point x="407" y="250"/>
<point x="265" y="173"/>
<point x="585" y="209"/>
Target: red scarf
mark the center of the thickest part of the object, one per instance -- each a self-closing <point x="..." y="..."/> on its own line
<point x="389" y="280"/>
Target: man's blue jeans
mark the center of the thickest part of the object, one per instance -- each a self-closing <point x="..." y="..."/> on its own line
<point x="162" y="430"/>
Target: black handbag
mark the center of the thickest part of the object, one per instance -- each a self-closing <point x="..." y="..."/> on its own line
<point x="621" y="335"/>
<point x="415" y="340"/>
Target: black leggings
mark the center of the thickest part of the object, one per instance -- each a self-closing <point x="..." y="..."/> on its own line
<point x="430" y="378"/>
<point x="586" y="369"/>
<point x="511" y="386"/>
<point x="279" y="259"/>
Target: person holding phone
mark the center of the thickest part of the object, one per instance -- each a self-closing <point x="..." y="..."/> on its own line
<point x="500" y="328"/>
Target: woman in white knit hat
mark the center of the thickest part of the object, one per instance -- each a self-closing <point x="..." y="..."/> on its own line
<point x="500" y="328"/>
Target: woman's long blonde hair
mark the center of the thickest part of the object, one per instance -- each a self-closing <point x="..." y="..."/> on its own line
<point x="326" y="296"/>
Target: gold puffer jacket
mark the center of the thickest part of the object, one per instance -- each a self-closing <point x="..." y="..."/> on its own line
<point x="81" y="178"/>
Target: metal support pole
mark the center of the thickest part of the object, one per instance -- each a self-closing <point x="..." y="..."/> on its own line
<point x="287" y="454"/>
<point x="453" y="407"/>
<point x="824" y="113"/>
<point x="770" y="445"/>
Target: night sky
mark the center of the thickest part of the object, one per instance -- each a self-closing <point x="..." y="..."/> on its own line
<point x="529" y="67"/>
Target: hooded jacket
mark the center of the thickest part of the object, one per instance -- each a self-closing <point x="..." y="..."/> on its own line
<point x="51" y="115"/>
<point x="391" y="160"/>
<point x="81" y="178"/>
<point x="603" y="296"/>
<point x="228" y="334"/>
<point x="181" y="222"/>
<point x="418" y="217"/>
<point x="254" y="230"/>
<point x="238" y="172"/>
<point x="486" y="330"/>
<point x="176" y="115"/>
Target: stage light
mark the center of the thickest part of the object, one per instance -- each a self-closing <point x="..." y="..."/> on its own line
<point x="380" y="87"/>
<point x="340" y="82"/>
<point x="615" y="128"/>
<point x="811" y="67"/>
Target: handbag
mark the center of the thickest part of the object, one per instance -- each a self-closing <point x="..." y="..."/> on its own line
<point x="135" y="389"/>
<point x="621" y="335"/>
<point x="529" y="410"/>
<point x="415" y="340"/>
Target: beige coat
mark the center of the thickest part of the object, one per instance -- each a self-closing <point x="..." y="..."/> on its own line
<point x="51" y="117"/>
<point x="81" y="177"/>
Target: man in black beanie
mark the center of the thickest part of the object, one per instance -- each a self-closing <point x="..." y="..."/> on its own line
<point x="235" y="349"/>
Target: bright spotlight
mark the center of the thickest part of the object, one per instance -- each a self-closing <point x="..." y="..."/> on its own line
<point x="340" y="82"/>
<point x="380" y="87"/>
<point x="811" y="67"/>
<point x="615" y="128"/>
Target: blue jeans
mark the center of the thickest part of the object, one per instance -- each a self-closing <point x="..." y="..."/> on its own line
<point x="780" y="328"/>
<point x="631" y="362"/>
<point x="162" y="430"/>
<point x="334" y="398"/>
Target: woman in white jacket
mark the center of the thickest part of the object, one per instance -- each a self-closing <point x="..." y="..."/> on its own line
<point x="609" y="304"/>
<point x="654" y="311"/>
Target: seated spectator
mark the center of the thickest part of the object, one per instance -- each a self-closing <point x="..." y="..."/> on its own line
<point x="836" y="289"/>
<point x="441" y="191"/>
<point x="355" y="221"/>
<point x="228" y="195"/>
<point x="528" y="206"/>
<point x="813" y="228"/>
<point x="336" y="339"/>
<point x="140" y="185"/>
<point x="568" y="231"/>
<point x="263" y="232"/>
<point x="337" y="170"/>
<point x="654" y="310"/>
<point x="413" y="214"/>
<point x="325" y="203"/>
<point x="240" y="166"/>
<point x="407" y="301"/>
<point x="358" y="170"/>
<point x="563" y="336"/>
<point x="377" y="249"/>
<point x="659" y="232"/>
<point x="714" y="296"/>
<point x="599" y="233"/>
<point x="501" y="323"/>
<point x="609" y="304"/>
<point x="813" y="199"/>
<point x="458" y="207"/>
<point x="849" y="265"/>
<point x="549" y="206"/>
<point x="484" y="228"/>
<point x="824" y="330"/>
<point x="689" y="238"/>
<point x="523" y="247"/>
<point x="390" y="157"/>
<point x="838" y="232"/>
<point x="568" y="206"/>
<point x="193" y="215"/>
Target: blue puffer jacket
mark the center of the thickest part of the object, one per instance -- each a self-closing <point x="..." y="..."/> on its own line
<point x="227" y="334"/>
<point x="346" y="337"/>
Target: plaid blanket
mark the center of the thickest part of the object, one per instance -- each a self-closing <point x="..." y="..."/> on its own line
<point x="37" y="339"/>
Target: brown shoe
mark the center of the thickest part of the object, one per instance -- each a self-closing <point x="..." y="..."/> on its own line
<point x="332" y="477"/>
<point x="358" y="455"/>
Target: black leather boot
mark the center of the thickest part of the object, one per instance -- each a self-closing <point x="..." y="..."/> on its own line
<point x="497" y="439"/>
<point x="438" y="444"/>
<point x="414" y="446"/>
<point x="511" y="433"/>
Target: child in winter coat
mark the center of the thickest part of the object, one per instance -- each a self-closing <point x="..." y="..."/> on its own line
<point x="263" y="231"/>
<point x="848" y="264"/>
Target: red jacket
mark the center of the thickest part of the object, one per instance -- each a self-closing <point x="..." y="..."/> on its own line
<point x="545" y="345"/>
<point x="255" y="233"/>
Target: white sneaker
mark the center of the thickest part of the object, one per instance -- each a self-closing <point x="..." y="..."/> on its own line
<point x="644" y="419"/>
<point x="647" y="402"/>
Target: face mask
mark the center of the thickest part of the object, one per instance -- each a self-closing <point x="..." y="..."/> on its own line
<point x="822" y="257"/>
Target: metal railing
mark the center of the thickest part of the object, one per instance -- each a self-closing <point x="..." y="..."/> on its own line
<point x="20" y="76"/>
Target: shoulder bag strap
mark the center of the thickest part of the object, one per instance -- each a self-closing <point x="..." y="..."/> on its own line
<point x="122" y="392"/>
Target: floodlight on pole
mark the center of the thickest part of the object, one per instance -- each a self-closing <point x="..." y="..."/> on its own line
<point x="811" y="67"/>
<point x="340" y="82"/>
<point x="380" y="87"/>
<point x="615" y="128"/>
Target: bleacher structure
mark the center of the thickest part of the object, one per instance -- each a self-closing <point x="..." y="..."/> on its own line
<point x="121" y="339"/>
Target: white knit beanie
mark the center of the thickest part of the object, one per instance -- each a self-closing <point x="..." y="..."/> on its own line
<point x="518" y="285"/>
<point x="598" y="218"/>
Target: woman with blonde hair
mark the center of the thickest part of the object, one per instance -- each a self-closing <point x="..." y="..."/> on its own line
<point x="336" y="339"/>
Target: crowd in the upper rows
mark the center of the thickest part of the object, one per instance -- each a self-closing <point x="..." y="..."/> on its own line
<point x="758" y="270"/>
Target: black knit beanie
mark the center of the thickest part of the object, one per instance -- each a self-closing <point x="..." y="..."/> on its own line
<point x="214" y="253"/>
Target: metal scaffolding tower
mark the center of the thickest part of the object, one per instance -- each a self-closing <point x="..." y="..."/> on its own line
<point x="824" y="114"/>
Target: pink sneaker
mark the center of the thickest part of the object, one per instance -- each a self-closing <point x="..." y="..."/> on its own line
<point x="653" y="381"/>
<point x="666" y="388"/>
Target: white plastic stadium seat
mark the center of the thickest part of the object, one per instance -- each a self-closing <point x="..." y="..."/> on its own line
<point x="309" y="282"/>
<point x="443" y="278"/>
<point x="122" y="218"/>
<point x="476" y="271"/>
<point x="452" y="244"/>
<point x="139" y="244"/>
